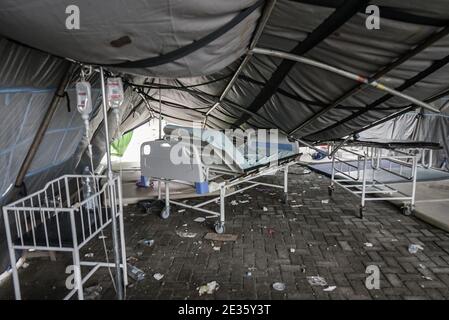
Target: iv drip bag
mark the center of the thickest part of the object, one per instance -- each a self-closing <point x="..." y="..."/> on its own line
<point x="115" y="95"/>
<point x="83" y="99"/>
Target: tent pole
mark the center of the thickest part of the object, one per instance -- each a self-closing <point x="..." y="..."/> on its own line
<point x="40" y="133"/>
<point x="384" y="70"/>
<point x="264" y="19"/>
<point x="160" y="111"/>
<point x="343" y="73"/>
<point x="118" y="273"/>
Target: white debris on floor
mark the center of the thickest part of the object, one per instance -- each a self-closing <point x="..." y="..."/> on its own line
<point x="317" y="281"/>
<point x="186" y="234"/>
<point x="158" y="276"/>
<point x="200" y="219"/>
<point x="414" y="248"/>
<point x="330" y="288"/>
<point x="279" y="286"/>
<point x="208" y="288"/>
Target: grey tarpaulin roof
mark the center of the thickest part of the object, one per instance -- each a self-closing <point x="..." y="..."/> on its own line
<point x="288" y="95"/>
<point x="196" y="46"/>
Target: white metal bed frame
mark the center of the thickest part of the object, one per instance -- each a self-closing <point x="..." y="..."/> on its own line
<point x="224" y="189"/>
<point x="63" y="197"/>
<point x="370" y="189"/>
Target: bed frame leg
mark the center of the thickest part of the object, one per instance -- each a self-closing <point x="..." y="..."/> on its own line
<point x="165" y="213"/>
<point x="77" y="274"/>
<point x="286" y="184"/>
<point x="220" y="226"/>
<point x="12" y="257"/>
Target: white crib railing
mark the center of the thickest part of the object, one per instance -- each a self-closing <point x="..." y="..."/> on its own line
<point x="64" y="216"/>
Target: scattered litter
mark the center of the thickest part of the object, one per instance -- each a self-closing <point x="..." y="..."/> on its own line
<point x="279" y="286"/>
<point x="184" y="225"/>
<point x="216" y="248"/>
<point x="422" y="266"/>
<point x="313" y="188"/>
<point x="139" y="253"/>
<point x="368" y="244"/>
<point x="306" y="171"/>
<point x="248" y="273"/>
<point x="325" y="201"/>
<point x="330" y="288"/>
<point x="200" y="219"/>
<point x="135" y="273"/>
<point x="220" y="237"/>
<point x="208" y="288"/>
<point x="427" y="278"/>
<point x="181" y="210"/>
<point x="186" y="234"/>
<point x="317" y="281"/>
<point x="292" y="250"/>
<point x="272" y="193"/>
<point x="146" y="242"/>
<point x="234" y="203"/>
<point x="102" y="237"/>
<point x="297" y="205"/>
<point x="243" y="201"/>
<point x="89" y="255"/>
<point x="92" y="293"/>
<point x="158" y="276"/>
<point x="414" y="248"/>
<point x="132" y="259"/>
<point x="25" y="265"/>
<point x="265" y="209"/>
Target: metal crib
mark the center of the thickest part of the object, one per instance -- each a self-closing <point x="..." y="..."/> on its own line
<point x="64" y="216"/>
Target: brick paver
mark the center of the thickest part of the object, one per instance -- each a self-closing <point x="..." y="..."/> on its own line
<point x="288" y="243"/>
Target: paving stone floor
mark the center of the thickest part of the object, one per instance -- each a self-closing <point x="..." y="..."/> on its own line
<point x="283" y="243"/>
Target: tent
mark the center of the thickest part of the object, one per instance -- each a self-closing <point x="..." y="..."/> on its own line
<point x="200" y="55"/>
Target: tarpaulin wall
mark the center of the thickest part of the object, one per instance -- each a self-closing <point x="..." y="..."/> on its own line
<point x="28" y="81"/>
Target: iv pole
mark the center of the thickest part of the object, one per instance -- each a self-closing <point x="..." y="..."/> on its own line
<point x="118" y="272"/>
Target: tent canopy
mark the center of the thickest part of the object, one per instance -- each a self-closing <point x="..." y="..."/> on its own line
<point x="192" y="42"/>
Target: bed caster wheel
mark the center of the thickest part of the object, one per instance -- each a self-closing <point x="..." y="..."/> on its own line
<point x="285" y="198"/>
<point x="330" y="190"/>
<point x="361" y="212"/>
<point x="407" y="210"/>
<point x="165" y="213"/>
<point x="219" y="228"/>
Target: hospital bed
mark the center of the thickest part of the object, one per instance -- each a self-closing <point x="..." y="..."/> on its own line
<point x="216" y="163"/>
<point x="373" y="157"/>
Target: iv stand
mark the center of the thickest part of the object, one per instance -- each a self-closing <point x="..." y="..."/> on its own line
<point x="118" y="272"/>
